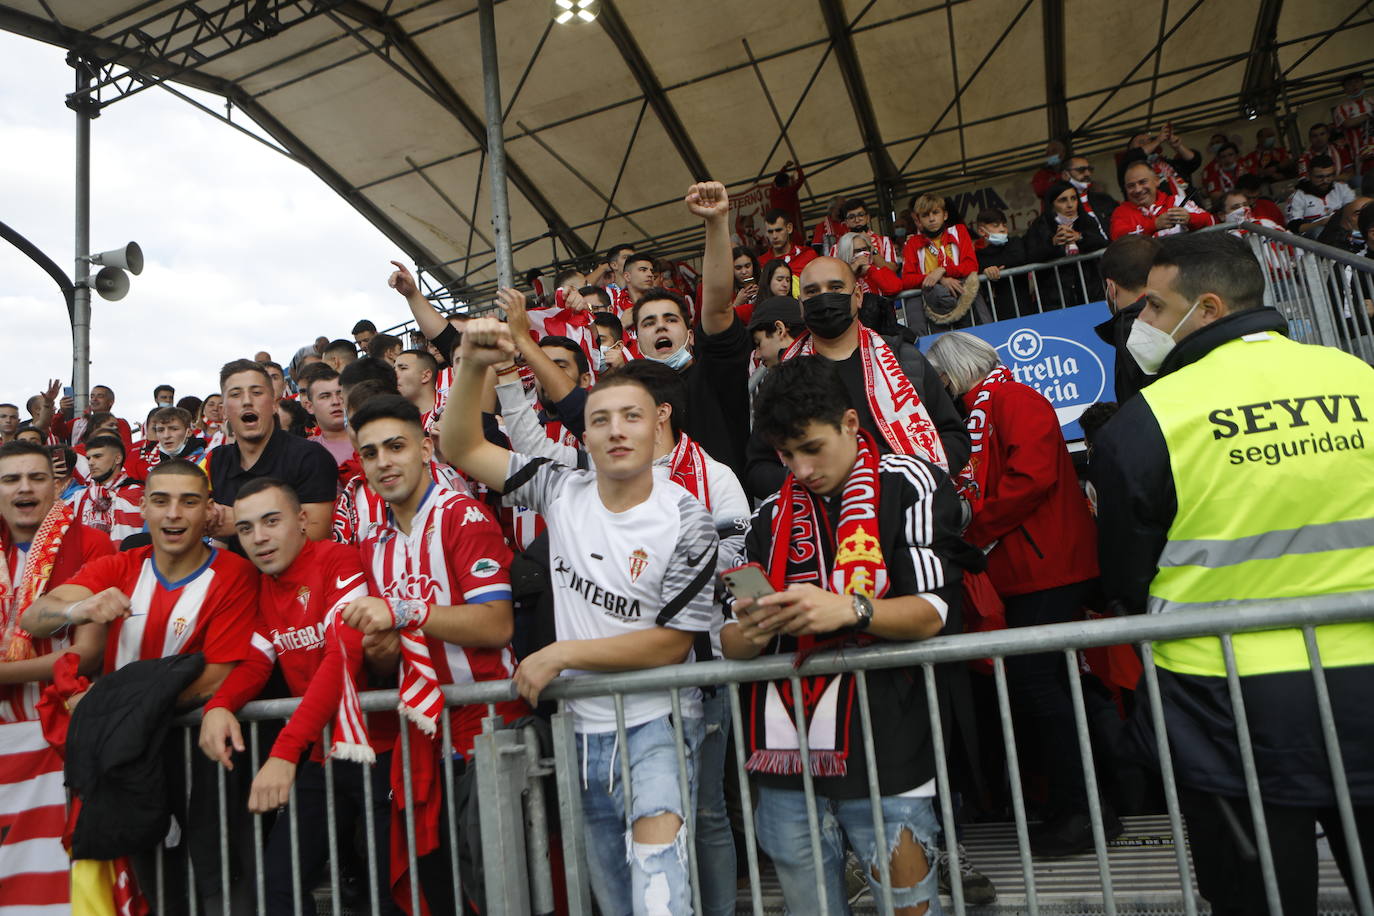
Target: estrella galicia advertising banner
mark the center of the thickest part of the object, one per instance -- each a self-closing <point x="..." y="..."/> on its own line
<point x="1058" y="354"/>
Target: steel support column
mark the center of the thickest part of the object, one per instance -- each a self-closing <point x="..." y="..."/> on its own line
<point x="1056" y="87"/>
<point x="1259" y="91"/>
<point x="81" y="275"/>
<point x="624" y="40"/>
<point x="496" y="143"/>
<point x="886" y="178"/>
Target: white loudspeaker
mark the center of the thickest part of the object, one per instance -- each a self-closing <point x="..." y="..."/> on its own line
<point x="130" y="257"/>
<point x="112" y="283"/>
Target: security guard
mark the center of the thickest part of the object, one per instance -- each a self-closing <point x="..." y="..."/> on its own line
<point x="1245" y="472"/>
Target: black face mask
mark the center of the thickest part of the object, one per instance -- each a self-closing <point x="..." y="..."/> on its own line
<point x="827" y="315"/>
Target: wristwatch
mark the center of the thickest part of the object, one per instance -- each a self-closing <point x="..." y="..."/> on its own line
<point x="863" y="611"/>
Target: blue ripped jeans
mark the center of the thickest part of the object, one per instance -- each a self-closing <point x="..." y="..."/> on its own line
<point x="781" y="824"/>
<point x="628" y="877"/>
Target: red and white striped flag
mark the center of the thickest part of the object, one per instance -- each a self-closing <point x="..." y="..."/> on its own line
<point x="34" y="865"/>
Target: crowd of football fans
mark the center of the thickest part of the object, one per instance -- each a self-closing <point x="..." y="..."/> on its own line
<point x="614" y="475"/>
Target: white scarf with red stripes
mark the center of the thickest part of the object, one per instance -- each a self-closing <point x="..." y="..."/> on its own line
<point x="687" y="468"/>
<point x="896" y="407"/>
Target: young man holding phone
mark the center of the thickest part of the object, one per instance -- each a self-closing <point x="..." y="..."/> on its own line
<point x="858" y="547"/>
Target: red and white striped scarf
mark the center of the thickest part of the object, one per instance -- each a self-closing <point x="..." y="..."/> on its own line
<point x="687" y="468"/>
<point x="15" y="643"/>
<point x="896" y="407"/>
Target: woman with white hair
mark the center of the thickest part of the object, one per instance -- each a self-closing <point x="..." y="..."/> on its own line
<point x="1032" y="520"/>
<point x="856" y="250"/>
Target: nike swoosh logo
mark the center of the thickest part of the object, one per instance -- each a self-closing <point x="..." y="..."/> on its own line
<point x="344" y="583"/>
<point x="693" y="561"/>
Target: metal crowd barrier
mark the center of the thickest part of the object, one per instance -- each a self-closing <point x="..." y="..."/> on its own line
<point x="511" y="770"/>
<point x="1032" y="289"/>
<point x="1326" y="294"/>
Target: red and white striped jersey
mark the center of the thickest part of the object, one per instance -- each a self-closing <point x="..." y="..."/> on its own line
<point x="113" y="509"/>
<point x="358" y="508"/>
<point x="1360" y="139"/>
<point x="454" y="554"/>
<point x="210" y="611"/>
<point x="34" y="865"/>
<point x="442" y="383"/>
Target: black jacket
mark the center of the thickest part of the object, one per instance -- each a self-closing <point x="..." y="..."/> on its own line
<point x="764" y="473"/>
<point x="1010" y="297"/>
<point x="114" y="758"/>
<point x="1129" y="378"/>
<point x="1070" y="284"/>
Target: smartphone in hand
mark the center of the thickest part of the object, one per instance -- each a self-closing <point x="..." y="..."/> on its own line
<point x="747" y="581"/>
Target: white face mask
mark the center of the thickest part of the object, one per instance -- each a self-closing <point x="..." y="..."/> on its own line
<point x="678" y="359"/>
<point x="1080" y="185"/>
<point x="1238" y="215"/>
<point x="1149" y="345"/>
<point x="997" y="238"/>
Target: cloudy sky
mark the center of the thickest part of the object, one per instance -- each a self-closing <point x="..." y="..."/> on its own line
<point x="245" y="249"/>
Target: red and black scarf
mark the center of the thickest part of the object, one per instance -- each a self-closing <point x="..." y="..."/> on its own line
<point x="801" y="540"/>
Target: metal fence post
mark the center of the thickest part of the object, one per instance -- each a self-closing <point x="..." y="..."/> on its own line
<point x="500" y="760"/>
<point x="1323" y="314"/>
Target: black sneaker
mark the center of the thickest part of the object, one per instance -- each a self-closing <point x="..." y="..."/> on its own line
<point x="978" y="889"/>
<point x="1072" y="834"/>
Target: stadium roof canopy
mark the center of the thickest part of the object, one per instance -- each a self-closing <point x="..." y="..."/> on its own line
<point x="608" y="122"/>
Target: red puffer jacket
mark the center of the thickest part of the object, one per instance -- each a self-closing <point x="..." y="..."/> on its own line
<point x="1033" y="508"/>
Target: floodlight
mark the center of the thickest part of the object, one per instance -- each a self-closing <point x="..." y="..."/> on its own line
<point x="566" y="10"/>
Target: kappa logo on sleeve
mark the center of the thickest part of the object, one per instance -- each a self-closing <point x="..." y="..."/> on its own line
<point x="485" y="568"/>
<point x="473" y="514"/>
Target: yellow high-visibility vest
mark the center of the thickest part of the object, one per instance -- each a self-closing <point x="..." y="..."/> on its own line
<point x="1271" y="448"/>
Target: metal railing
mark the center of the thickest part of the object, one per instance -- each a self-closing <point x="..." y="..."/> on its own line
<point x="511" y="769"/>
<point x="1031" y="289"/>
<point x="1325" y="293"/>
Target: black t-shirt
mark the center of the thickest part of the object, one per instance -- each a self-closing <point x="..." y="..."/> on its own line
<point x="307" y="466"/>
<point x="917" y="503"/>
<point x="718" y="394"/>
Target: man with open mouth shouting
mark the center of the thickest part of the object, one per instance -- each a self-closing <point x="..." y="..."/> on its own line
<point x="261" y="449"/>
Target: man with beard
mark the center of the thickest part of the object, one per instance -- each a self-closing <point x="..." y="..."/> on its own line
<point x="1318" y="198"/>
<point x="41" y="545"/>
<point x="261" y="449"/>
<point x="110" y="502"/>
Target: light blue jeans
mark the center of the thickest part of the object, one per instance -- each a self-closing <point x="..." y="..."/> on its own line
<point x="782" y="833"/>
<point x="626" y="877"/>
<point x="715" y="841"/>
